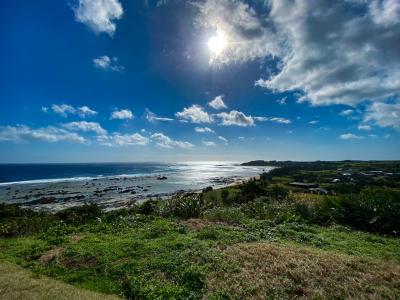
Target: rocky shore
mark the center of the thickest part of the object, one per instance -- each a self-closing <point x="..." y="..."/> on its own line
<point x="108" y="192"/>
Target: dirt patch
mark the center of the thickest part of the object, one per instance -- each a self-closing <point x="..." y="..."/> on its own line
<point x="49" y="255"/>
<point x="79" y="262"/>
<point x="265" y="270"/>
<point x="195" y="224"/>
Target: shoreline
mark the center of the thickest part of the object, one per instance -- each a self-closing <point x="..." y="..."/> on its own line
<point x="109" y="192"/>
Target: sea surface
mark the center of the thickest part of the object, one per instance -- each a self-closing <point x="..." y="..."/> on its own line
<point x="112" y="185"/>
<point x="42" y="173"/>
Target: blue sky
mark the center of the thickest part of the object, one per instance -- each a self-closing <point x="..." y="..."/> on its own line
<point x="115" y="80"/>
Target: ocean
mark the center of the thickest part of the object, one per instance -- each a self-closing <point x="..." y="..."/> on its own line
<point x="41" y="173"/>
<point x="112" y="185"/>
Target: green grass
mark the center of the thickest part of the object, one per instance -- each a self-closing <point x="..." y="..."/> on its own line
<point x="149" y="258"/>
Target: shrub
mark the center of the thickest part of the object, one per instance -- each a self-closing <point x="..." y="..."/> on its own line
<point x="186" y="206"/>
<point x="225" y="196"/>
<point x="374" y="209"/>
<point x="228" y="215"/>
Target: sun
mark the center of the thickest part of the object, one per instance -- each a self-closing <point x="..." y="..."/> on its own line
<point x="217" y="43"/>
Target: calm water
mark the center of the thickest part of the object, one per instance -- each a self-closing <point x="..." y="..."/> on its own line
<point x="41" y="173"/>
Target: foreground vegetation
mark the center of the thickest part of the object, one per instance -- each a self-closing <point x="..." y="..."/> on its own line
<point x="262" y="239"/>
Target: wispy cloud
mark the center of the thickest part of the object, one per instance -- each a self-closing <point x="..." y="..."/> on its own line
<point x="65" y="109"/>
<point x="86" y="127"/>
<point x="209" y="143"/>
<point x="166" y="142"/>
<point x="220" y="137"/>
<point x="153" y="118"/>
<point x="118" y="139"/>
<point x="203" y="129"/>
<point x="107" y="63"/>
<point x="350" y="136"/>
<point x="21" y="133"/>
<point x="364" y="127"/>
<point x="123" y="114"/>
<point x="99" y="15"/>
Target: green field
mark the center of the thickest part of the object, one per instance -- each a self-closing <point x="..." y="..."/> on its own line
<point x="259" y="240"/>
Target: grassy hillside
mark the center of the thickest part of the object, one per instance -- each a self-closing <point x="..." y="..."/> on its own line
<point x="254" y="241"/>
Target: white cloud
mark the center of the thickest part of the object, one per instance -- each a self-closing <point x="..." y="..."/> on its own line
<point x="384" y="114"/>
<point x="99" y="15"/>
<point x="364" y="127"/>
<point x="153" y="118"/>
<point x="280" y="120"/>
<point x="118" y="139"/>
<point x="346" y="112"/>
<point x="64" y="110"/>
<point x="203" y="129"/>
<point x="235" y="117"/>
<point x="333" y="52"/>
<point x="166" y="142"/>
<point x="350" y="136"/>
<point x="194" y="114"/>
<point x="130" y="139"/>
<point x="218" y="103"/>
<point x="261" y="119"/>
<point x="209" y="143"/>
<point x="223" y="139"/>
<point x="273" y="119"/>
<point x="123" y="114"/>
<point x="313" y="122"/>
<point x="106" y="63"/>
<point x="22" y="133"/>
<point x="86" y="127"/>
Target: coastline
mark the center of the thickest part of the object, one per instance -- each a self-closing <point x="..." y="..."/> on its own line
<point x="109" y="192"/>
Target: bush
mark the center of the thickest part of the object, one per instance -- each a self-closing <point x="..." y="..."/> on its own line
<point x="228" y="215"/>
<point x="375" y="210"/>
<point x="187" y="206"/>
<point x="81" y="214"/>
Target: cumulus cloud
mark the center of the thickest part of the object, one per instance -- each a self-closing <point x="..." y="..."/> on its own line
<point x="107" y="63"/>
<point x="195" y="114"/>
<point x="218" y="103"/>
<point x="99" y="15"/>
<point x="123" y="114"/>
<point x="22" y="133"/>
<point x="209" y="143"/>
<point x="235" y="117"/>
<point x="203" y="129"/>
<point x="166" y="142"/>
<point x="331" y="52"/>
<point x="350" y="136"/>
<point x="65" y="109"/>
<point x="86" y="127"/>
<point x="153" y="118"/>
<point x="384" y="114"/>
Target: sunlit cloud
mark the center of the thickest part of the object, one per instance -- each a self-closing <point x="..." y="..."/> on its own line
<point x="153" y="118"/>
<point x="195" y="114"/>
<point x="99" y="15"/>
<point x="218" y="103"/>
<point x="124" y="114"/>
<point x="166" y="142"/>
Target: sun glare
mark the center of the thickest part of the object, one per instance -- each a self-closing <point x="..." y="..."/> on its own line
<point x="217" y="43"/>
